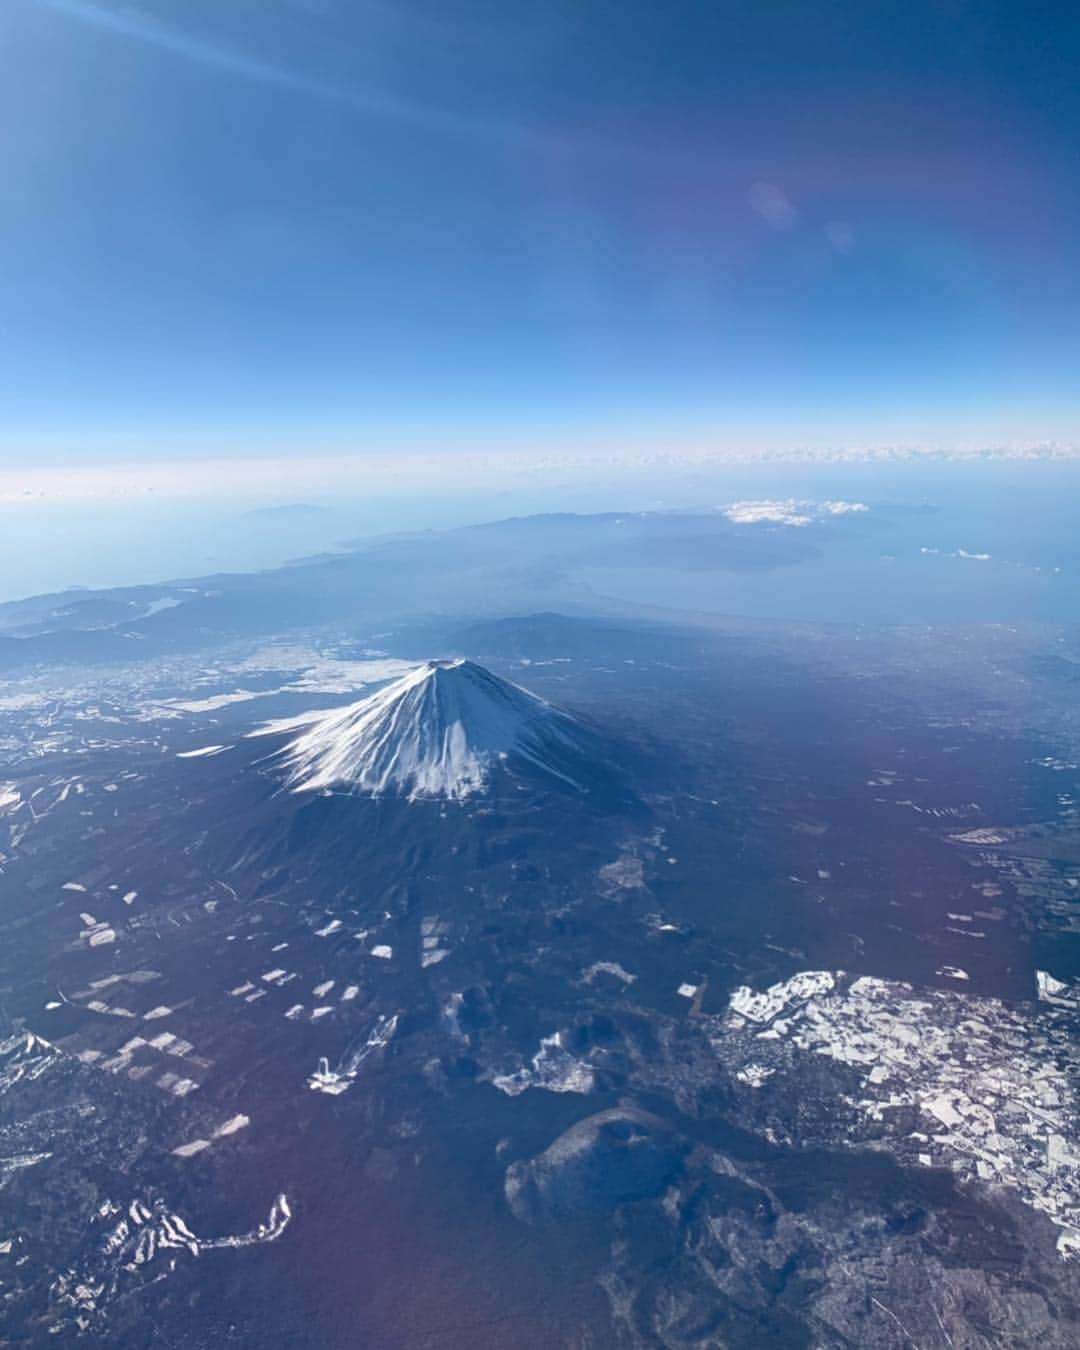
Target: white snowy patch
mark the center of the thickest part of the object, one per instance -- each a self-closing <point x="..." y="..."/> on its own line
<point x="329" y="1081"/>
<point x="18" y="1161"/>
<point x="144" y="1235"/>
<point x="626" y="873"/>
<point x="980" y="836"/>
<point x="754" y="1075"/>
<point x="334" y="675"/>
<point x="207" y="752"/>
<point x="776" y="999"/>
<point x="994" y="1082"/>
<point x="214" y="702"/>
<point x="553" y="1068"/>
<point x="96" y="1005"/>
<point x="333" y="1082"/>
<point x="159" y="606"/>
<point x="232" y="1125"/>
<point x="1055" y="991"/>
<point x="24" y="1056"/>
<point x="189" y="1150"/>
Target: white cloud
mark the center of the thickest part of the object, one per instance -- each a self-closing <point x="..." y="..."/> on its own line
<point x="840" y="234"/>
<point x="772" y="205"/>
<point x="788" y="512"/>
<point x="959" y="553"/>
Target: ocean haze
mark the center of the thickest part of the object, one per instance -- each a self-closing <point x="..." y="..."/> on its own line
<point x="940" y="541"/>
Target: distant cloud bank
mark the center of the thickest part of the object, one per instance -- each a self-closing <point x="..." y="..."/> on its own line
<point x="959" y="553"/>
<point x="277" y="476"/>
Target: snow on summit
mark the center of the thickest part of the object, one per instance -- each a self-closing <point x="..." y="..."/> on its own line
<point x="436" y="732"/>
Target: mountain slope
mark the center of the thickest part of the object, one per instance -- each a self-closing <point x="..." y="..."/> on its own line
<point x="438" y="732"/>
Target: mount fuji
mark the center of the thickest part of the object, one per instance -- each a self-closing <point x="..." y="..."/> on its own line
<point x="440" y="732"/>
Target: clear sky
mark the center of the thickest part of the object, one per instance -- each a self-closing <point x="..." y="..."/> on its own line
<point x="241" y="226"/>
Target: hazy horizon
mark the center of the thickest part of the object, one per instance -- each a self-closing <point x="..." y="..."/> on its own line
<point x="114" y="533"/>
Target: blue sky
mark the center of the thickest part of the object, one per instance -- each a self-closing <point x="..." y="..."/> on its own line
<point x="291" y="226"/>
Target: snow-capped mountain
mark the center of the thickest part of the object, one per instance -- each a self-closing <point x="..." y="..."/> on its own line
<point x="438" y="732"/>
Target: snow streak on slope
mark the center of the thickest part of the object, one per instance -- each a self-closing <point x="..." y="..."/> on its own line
<point x="130" y="1247"/>
<point x="436" y="732"/>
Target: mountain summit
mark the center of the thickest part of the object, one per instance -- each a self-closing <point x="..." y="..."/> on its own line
<point x="438" y="732"/>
